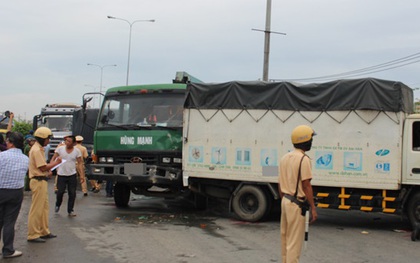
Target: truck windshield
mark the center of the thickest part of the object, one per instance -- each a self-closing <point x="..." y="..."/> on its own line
<point x="142" y="110"/>
<point x="58" y="123"/>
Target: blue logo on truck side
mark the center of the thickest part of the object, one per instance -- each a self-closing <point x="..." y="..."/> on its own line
<point x="383" y="167"/>
<point x="268" y="157"/>
<point x="353" y="161"/>
<point x="324" y="160"/>
<point x="382" y="152"/>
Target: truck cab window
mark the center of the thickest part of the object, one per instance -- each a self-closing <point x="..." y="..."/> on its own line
<point x="151" y="110"/>
<point x="110" y="112"/>
<point x="416" y="136"/>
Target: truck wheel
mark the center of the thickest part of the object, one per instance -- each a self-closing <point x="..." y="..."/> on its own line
<point x="250" y="203"/>
<point x="121" y="195"/>
<point x="414" y="209"/>
<point x="414" y="215"/>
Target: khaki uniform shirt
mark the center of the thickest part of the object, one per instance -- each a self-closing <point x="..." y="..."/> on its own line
<point x="289" y="171"/>
<point x="83" y="150"/>
<point x="37" y="160"/>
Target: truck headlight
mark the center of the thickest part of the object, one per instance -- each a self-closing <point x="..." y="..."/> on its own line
<point x="166" y="160"/>
<point x="109" y="160"/>
<point x="177" y="160"/>
<point x="102" y="159"/>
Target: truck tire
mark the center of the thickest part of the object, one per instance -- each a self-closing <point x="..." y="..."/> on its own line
<point x="413" y="213"/>
<point x="121" y="195"/>
<point x="250" y="203"/>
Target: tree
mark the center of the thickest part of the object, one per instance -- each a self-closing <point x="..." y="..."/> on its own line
<point x="22" y="126"/>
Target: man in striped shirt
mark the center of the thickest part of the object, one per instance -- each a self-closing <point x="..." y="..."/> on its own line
<point x="13" y="167"/>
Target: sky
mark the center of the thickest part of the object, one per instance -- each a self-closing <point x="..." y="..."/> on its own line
<point x="45" y="45"/>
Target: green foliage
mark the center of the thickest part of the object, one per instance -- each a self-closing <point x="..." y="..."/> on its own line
<point x="22" y="126"/>
<point x="417" y="107"/>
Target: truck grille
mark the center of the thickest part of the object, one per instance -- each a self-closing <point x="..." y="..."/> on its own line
<point x="127" y="159"/>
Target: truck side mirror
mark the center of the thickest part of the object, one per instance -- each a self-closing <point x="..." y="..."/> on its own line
<point x="85" y="102"/>
<point x="111" y="115"/>
<point x="104" y="119"/>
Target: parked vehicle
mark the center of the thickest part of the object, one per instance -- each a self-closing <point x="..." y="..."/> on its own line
<point x="69" y="118"/>
<point x="59" y="118"/>
<point x="365" y="157"/>
<point x="4" y="122"/>
<point x="138" y="140"/>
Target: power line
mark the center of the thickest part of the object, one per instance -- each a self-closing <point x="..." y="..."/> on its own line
<point x="396" y="63"/>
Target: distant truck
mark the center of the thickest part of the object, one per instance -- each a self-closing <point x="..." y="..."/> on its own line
<point x="138" y="140"/>
<point x="365" y="156"/>
<point x="4" y="122"/>
<point x="59" y="118"/>
<point x="68" y="118"/>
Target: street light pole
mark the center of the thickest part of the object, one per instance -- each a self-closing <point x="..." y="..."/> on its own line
<point x="102" y="73"/>
<point x="129" y="40"/>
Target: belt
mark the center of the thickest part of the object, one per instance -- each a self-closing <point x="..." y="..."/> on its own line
<point x="63" y="175"/>
<point x="294" y="199"/>
<point x="40" y="178"/>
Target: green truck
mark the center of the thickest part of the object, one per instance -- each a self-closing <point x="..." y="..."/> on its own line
<point x="138" y="140"/>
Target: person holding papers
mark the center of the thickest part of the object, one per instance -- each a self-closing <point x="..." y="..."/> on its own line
<point x="39" y="173"/>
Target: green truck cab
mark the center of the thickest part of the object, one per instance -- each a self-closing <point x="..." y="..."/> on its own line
<point x="138" y="141"/>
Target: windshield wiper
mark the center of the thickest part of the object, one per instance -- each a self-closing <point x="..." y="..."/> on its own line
<point x="164" y="126"/>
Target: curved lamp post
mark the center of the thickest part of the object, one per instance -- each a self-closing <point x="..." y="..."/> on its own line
<point x="102" y="73"/>
<point x="129" y="40"/>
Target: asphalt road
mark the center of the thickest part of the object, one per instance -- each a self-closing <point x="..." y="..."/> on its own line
<point x="158" y="230"/>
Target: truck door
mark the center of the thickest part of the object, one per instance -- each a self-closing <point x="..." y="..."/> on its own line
<point x="412" y="151"/>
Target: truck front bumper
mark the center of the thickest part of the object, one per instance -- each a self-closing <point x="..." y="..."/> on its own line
<point x="136" y="174"/>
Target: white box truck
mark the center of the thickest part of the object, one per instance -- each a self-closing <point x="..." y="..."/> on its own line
<point x="365" y="156"/>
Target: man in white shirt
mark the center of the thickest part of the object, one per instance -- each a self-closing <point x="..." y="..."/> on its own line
<point x="66" y="173"/>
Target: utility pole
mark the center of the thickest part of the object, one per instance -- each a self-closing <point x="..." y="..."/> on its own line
<point x="267" y="32"/>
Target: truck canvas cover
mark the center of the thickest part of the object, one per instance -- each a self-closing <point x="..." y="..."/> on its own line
<point x="339" y="95"/>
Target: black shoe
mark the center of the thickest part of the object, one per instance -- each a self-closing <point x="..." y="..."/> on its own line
<point x="37" y="240"/>
<point x="49" y="236"/>
<point x="57" y="208"/>
<point x="92" y="189"/>
<point x="96" y="191"/>
<point x="85" y="194"/>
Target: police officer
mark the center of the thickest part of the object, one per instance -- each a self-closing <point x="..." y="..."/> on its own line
<point x="295" y="188"/>
<point x="39" y="172"/>
<point x="81" y="169"/>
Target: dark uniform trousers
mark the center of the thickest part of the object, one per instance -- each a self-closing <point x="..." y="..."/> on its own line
<point x="10" y="203"/>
